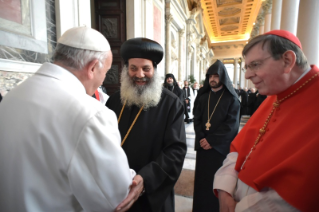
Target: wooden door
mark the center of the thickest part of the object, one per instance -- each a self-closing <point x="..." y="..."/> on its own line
<point x="110" y="20"/>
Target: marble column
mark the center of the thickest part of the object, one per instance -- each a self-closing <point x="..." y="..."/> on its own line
<point x="235" y="72"/>
<point x="201" y="61"/>
<point x="289" y="15"/>
<point x="261" y="26"/>
<point x="242" y="78"/>
<point x="189" y="33"/>
<point x="168" y="21"/>
<point x="276" y="14"/>
<point x="308" y="30"/>
<point x="180" y="49"/>
<point x="268" y="15"/>
<point x="240" y="74"/>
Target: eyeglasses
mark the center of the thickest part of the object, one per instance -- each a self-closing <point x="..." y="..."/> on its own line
<point x="254" y="66"/>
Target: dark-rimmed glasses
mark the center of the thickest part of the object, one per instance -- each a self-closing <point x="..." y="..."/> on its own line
<point x="254" y="65"/>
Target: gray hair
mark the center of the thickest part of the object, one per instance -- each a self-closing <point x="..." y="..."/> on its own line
<point x="277" y="46"/>
<point x="76" y="58"/>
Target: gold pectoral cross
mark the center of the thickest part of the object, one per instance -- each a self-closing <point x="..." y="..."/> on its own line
<point x="207" y="125"/>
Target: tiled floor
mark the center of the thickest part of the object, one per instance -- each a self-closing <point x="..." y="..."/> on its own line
<point x="183" y="203"/>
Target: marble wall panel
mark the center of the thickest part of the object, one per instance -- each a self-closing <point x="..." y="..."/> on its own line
<point x="11" y="10"/>
<point x="9" y="80"/>
<point x="157" y="23"/>
<point x="31" y="56"/>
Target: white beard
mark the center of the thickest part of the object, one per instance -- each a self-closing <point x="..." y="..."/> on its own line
<point x="148" y="95"/>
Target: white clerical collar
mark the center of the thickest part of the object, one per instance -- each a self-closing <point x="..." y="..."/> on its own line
<point x="303" y="74"/>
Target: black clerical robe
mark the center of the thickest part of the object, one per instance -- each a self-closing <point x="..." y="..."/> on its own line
<point x="224" y="128"/>
<point x="251" y="103"/>
<point x="244" y="101"/>
<point x="177" y="91"/>
<point x="155" y="148"/>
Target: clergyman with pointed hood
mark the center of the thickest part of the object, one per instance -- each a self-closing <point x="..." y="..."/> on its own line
<point x="216" y="123"/>
<point x="171" y="84"/>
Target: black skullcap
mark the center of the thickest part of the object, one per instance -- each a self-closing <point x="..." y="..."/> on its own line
<point x="142" y="48"/>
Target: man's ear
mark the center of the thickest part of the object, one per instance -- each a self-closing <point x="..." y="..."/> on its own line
<point x="289" y="58"/>
<point x="91" y="68"/>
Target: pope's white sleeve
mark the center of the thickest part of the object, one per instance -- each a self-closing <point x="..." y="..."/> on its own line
<point x="226" y="177"/>
<point x="98" y="173"/>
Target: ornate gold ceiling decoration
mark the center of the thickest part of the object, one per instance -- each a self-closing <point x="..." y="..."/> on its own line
<point x="229" y="20"/>
<point x="221" y="3"/>
<point x="229" y="11"/>
<point x="229" y="28"/>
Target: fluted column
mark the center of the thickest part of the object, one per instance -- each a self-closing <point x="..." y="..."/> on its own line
<point x="276" y="14"/>
<point x="289" y="15"/>
<point x="168" y="21"/>
<point x="308" y="30"/>
<point x="181" y="34"/>
<point x="235" y="72"/>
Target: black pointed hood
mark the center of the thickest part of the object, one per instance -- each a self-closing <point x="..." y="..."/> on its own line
<point x="217" y="68"/>
<point x="172" y="76"/>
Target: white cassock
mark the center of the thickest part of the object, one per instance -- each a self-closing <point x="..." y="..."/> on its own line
<point x="59" y="148"/>
<point x="192" y="99"/>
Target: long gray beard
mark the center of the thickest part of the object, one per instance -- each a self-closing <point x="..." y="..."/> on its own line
<point x="148" y="95"/>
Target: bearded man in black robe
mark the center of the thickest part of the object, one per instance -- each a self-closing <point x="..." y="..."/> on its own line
<point x="151" y="125"/>
<point x="171" y="84"/>
<point x="216" y="123"/>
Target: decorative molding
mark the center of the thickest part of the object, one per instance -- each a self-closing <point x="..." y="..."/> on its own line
<point x="168" y="18"/>
<point x="227" y="21"/>
<point x="112" y="76"/>
<point x="109" y="27"/>
<point x="37" y="41"/>
<point x="229" y="28"/>
<point x="227" y="2"/>
<point x="229" y="11"/>
<point x="181" y="32"/>
<point x="18" y="66"/>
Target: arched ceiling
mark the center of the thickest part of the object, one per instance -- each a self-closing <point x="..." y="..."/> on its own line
<point x="228" y="23"/>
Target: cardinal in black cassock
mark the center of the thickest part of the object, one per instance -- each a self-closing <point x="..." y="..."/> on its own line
<point x="156" y="145"/>
<point x="216" y="123"/>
